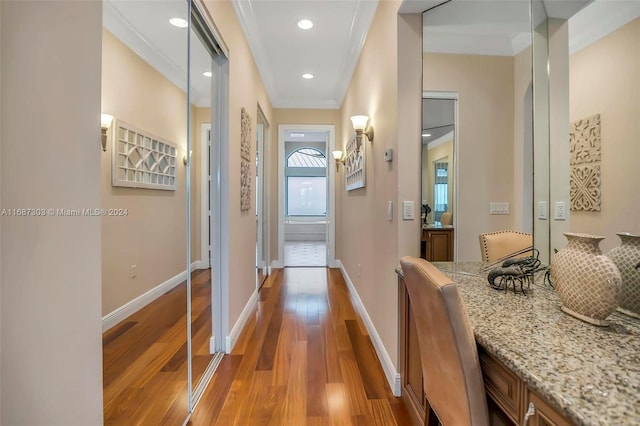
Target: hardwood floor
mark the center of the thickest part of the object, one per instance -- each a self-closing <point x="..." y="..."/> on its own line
<point x="304" y="359"/>
<point x="145" y="357"/>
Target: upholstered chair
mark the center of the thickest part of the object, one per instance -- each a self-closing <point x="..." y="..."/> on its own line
<point x="451" y="369"/>
<point x="446" y="218"/>
<point x="501" y="245"/>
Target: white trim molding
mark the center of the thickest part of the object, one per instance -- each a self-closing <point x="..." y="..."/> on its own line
<point x="232" y="338"/>
<point x="392" y="375"/>
<point x="133" y="306"/>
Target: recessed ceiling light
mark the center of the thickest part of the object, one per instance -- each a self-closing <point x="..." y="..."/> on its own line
<point x="297" y="135"/>
<point x="207" y="74"/>
<point x="305" y="24"/>
<point x="178" y="22"/>
<point x="426" y="135"/>
<point x="307" y="76"/>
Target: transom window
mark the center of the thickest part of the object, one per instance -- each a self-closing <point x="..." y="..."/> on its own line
<point x="307" y="157"/>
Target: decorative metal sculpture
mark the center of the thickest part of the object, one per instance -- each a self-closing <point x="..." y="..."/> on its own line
<point x="516" y="272"/>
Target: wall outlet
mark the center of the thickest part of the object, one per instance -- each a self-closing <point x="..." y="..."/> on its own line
<point x="388" y="154"/>
<point x="134" y="271"/>
<point x="498" y="208"/>
<point x="542" y="210"/>
<point x="560" y="210"/>
<point x="408" y="210"/>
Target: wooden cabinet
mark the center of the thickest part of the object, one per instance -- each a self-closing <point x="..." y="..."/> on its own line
<point x="508" y="396"/>
<point x="437" y="244"/>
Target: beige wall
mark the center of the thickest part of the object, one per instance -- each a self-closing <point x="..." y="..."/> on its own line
<point x="485" y="85"/>
<point x="246" y="90"/>
<point x="51" y="316"/>
<point x="366" y="242"/>
<point x="604" y="78"/>
<point x="296" y="116"/>
<point x="153" y="234"/>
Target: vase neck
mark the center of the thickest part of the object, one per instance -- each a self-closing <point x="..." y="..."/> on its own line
<point x="588" y="244"/>
<point x="630" y="240"/>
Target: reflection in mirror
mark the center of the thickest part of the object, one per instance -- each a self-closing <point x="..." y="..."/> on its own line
<point x="481" y="52"/>
<point x="540" y="57"/>
<point x="604" y="97"/>
<point x="143" y="258"/>
<point x="438" y="136"/>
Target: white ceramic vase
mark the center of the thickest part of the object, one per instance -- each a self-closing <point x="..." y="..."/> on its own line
<point x="587" y="282"/>
<point x="627" y="257"/>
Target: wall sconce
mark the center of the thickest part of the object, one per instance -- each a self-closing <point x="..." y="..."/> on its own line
<point x="185" y="159"/>
<point x="360" y="126"/>
<point x="339" y="157"/>
<point x="105" y="123"/>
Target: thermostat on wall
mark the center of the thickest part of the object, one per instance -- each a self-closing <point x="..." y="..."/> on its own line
<point x="388" y="154"/>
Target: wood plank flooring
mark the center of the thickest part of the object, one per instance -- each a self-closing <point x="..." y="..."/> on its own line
<point x="145" y="357"/>
<point x="303" y="359"/>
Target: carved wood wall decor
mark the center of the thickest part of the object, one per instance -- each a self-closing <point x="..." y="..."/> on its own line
<point x="584" y="140"/>
<point x="585" y="157"/>
<point x="585" y="187"/>
<point x="245" y="161"/>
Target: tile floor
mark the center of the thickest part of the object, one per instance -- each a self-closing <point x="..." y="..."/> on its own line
<point x="305" y="253"/>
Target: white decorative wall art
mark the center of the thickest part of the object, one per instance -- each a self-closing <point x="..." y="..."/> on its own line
<point x="584" y="160"/>
<point x="140" y="159"/>
<point x="355" y="171"/>
<point x="584" y="140"/>
<point x="585" y="187"/>
<point x="245" y="161"/>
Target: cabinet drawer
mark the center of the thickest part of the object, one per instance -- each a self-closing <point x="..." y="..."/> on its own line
<point x="545" y="415"/>
<point x="502" y="386"/>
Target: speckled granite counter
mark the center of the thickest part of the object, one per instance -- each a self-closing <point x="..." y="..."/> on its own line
<point x="592" y="374"/>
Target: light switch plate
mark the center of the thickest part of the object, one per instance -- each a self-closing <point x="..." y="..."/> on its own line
<point x="390" y="211"/>
<point x="408" y="210"/>
<point x="388" y="154"/>
<point x="499" y="208"/>
<point x="542" y="210"/>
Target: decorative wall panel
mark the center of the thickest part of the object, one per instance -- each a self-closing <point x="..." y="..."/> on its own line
<point x="584" y="160"/>
<point x="245" y="161"/>
<point x="141" y="160"/>
<point x="585" y="187"/>
<point x="355" y="172"/>
<point x="584" y="140"/>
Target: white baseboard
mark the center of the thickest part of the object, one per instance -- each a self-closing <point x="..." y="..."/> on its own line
<point x="393" y="377"/>
<point x="143" y="300"/>
<point x="202" y="264"/>
<point x="212" y="345"/>
<point x="277" y="264"/>
<point x="232" y="338"/>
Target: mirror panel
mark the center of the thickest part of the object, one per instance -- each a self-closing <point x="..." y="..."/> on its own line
<point x="144" y="84"/>
<point x="541" y="197"/>
<point x="481" y="51"/>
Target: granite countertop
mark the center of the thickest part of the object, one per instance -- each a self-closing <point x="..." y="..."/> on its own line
<point x="590" y="373"/>
<point x="436" y="226"/>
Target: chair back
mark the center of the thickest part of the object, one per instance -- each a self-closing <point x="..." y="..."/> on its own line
<point x="446" y="219"/>
<point x="497" y="246"/>
<point x="448" y="354"/>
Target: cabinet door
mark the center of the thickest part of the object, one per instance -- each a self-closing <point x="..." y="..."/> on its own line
<point x="439" y="245"/>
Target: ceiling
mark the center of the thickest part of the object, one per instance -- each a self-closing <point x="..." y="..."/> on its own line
<point x="330" y="50"/>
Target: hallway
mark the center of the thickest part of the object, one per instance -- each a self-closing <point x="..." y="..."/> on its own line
<point x="304" y="358"/>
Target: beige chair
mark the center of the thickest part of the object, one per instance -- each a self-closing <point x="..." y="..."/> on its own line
<point x="451" y="368"/>
<point x="501" y="245"/>
<point x="446" y="219"/>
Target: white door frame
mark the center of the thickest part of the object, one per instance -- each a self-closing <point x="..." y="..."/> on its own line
<point x="331" y="198"/>
<point x="260" y="185"/>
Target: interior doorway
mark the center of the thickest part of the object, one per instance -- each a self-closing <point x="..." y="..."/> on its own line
<point x="306" y="195"/>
